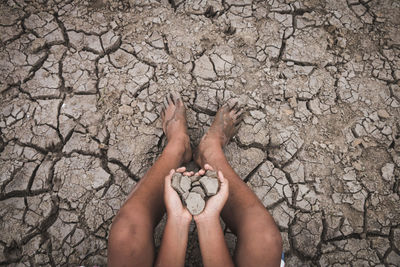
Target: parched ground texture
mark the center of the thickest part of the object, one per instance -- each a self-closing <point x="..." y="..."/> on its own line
<point x="81" y="85"/>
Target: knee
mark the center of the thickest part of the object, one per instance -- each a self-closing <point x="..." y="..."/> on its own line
<point x="270" y="234"/>
<point x="128" y="223"/>
<point x="272" y="240"/>
<point x="128" y="227"/>
<point x="259" y="245"/>
<point x="130" y="238"/>
<point x="266" y="232"/>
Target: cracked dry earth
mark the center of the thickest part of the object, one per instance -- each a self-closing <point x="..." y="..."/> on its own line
<point x="81" y="85"/>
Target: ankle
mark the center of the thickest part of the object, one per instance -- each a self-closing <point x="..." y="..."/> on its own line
<point x="177" y="146"/>
<point x="211" y="154"/>
<point x="178" y="138"/>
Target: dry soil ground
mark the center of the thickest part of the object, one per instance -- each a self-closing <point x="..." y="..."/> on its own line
<point x="81" y="84"/>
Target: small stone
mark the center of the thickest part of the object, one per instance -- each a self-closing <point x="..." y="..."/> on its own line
<point x="150" y="116"/>
<point x="195" y="203"/>
<point x="125" y="110"/>
<point x="185" y="183"/>
<point x="350" y="176"/>
<point x="37" y="44"/>
<point x="357" y="165"/>
<point x="383" y="114"/>
<point x="199" y="190"/>
<point x="387" y="171"/>
<point x="292" y="102"/>
<point x="357" y="142"/>
<point x="257" y="114"/>
<point x="387" y="130"/>
<point x="113" y="25"/>
<point x="210" y="185"/>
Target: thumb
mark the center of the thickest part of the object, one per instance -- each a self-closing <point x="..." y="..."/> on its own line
<point x="168" y="178"/>
<point x="224" y="184"/>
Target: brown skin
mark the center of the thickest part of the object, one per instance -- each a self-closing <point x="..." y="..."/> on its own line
<point x="131" y="236"/>
<point x="211" y="235"/>
<point x="259" y="241"/>
<point x="174" y="242"/>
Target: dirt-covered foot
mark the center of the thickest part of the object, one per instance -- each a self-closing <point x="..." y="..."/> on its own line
<point x="224" y="127"/>
<point x="174" y="125"/>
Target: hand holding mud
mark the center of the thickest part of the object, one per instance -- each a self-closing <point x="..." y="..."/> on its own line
<point x="172" y="201"/>
<point x="202" y="194"/>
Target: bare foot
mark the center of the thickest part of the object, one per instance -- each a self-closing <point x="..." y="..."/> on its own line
<point x="224" y="127"/>
<point x="173" y="117"/>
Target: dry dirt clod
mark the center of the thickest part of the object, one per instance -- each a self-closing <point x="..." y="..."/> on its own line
<point x="199" y="190"/>
<point x="210" y="185"/>
<point x="195" y="203"/>
<point x="176" y="181"/>
<point x="195" y="183"/>
<point x="194" y="178"/>
<point x="185" y="183"/>
<point x="212" y="174"/>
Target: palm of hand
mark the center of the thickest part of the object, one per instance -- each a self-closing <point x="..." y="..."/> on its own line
<point x="172" y="201"/>
<point x="215" y="204"/>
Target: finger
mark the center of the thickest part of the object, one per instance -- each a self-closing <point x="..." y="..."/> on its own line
<point x="208" y="167"/>
<point x="224" y="184"/>
<point x="221" y="177"/>
<point x="201" y="172"/>
<point x="181" y="169"/>
<point x="188" y="173"/>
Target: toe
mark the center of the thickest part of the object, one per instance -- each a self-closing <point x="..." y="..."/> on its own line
<point x="237" y="113"/>
<point x="166" y="102"/>
<point x="236" y="129"/>
<point x="232" y="103"/>
<point x="238" y="121"/>
<point x="171" y="99"/>
<point x="175" y="97"/>
<point x="224" y="107"/>
<point x="238" y="117"/>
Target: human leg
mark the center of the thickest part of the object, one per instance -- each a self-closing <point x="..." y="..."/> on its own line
<point x="131" y="236"/>
<point x="259" y="240"/>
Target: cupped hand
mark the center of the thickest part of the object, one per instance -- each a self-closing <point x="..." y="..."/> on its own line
<point x="172" y="201"/>
<point x="215" y="203"/>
